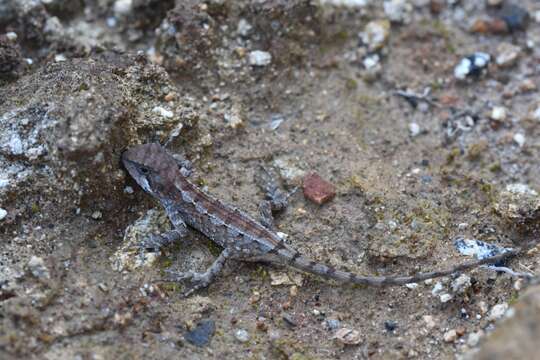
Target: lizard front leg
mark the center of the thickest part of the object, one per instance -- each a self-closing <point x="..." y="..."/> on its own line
<point x="201" y="279"/>
<point x="157" y="241"/>
<point x="275" y="198"/>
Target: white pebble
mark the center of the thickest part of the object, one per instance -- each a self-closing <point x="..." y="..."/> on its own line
<point x="244" y="28"/>
<point x="461" y="284"/>
<point x="498" y="113"/>
<point x="260" y="58"/>
<point x="519" y="139"/>
<point x="462" y="226"/>
<point x="122" y="7"/>
<point x="497" y="311"/>
<point x="37" y="267"/>
<point x="437" y="288"/>
<point x="3" y="214"/>
<point x="96" y="215"/>
<point x="375" y="34"/>
<point x="519" y="188"/>
<point x="537" y="16"/>
<point x="445" y="298"/>
<point x="60" y="58"/>
<point x="398" y="10"/>
<point x="536" y="113"/>
<point x="163" y="112"/>
<point x="128" y="190"/>
<point x="430" y="321"/>
<point x="371" y="61"/>
<point x="111" y="21"/>
<point x="462" y="69"/>
<point x="414" y="129"/>
<point x="11" y="36"/>
<point x="241" y="335"/>
<point x="15" y="145"/>
<point x="474" y="338"/>
<point x="450" y="336"/>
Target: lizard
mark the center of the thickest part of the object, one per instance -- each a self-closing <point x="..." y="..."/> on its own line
<point x="242" y="237"/>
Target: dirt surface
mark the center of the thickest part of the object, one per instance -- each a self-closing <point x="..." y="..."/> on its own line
<point x="299" y="87"/>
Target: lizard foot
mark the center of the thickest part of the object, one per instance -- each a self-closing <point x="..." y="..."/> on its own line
<point x="197" y="280"/>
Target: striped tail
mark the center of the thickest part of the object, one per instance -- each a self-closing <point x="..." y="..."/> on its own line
<point x="303" y="263"/>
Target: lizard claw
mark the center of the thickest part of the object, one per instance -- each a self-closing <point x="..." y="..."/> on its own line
<point x="197" y="280"/>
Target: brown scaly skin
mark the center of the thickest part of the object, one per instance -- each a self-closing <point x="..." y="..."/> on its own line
<point x="242" y="238"/>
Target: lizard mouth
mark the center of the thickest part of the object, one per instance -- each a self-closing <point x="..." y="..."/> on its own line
<point x="136" y="174"/>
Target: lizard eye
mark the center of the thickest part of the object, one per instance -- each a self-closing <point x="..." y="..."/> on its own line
<point x="144" y="170"/>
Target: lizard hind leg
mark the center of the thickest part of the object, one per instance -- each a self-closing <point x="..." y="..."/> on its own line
<point x="200" y="280"/>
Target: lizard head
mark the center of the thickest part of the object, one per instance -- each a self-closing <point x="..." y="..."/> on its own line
<point x="152" y="167"/>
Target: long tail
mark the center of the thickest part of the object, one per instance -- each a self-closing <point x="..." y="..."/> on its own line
<point x="303" y="263"/>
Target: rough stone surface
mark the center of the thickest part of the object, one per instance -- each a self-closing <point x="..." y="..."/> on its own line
<point x="517" y="337"/>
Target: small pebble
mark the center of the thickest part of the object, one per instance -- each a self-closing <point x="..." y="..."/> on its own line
<point x="411" y="286"/>
<point x="348" y="336"/>
<point x="471" y="65"/>
<point x="537" y="16"/>
<point x="11" y="36"/>
<point x="289" y="320"/>
<point x="375" y="34"/>
<point x="260" y="58"/>
<point x="462" y="226"/>
<point x="332" y="324"/>
<point x="518" y="284"/>
<point x="527" y="85"/>
<point x="201" y="335"/>
<point x="523" y="189"/>
<point x="122" y="7"/>
<point x="414" y="129"/>
<point x="111" y="21"/>
<point x="519" y="139"/>
<point x="371" y="62"/>
<point x="430" y="321"/>
<point x="244" y="28"/>
<point x="498" y="113"/>
<point x="507" y="54"/>
<point x="398" y="11"/>
<point x="163" y="112"/>
<point x="461" y="284"/>
<point x="3" y="214"/>
<point x="474" y="338"/>
<point x="390" y="325"/>
<point x="241" y="335"/>
<point x="96" y="215"/>
<point x="437" y="288"/>
<point x="128" y="190"/>
<point x="483" y="307"/>
<point x="535" y="113"/>
<point x="450" y="336"/>
<point x="317" y="189"/>
<point x="37" y="268"/>
<point x="60" y="58"/>
<point x="445" y="297"/>
<point x="170" y="97"/>
<point x="515" y="16"/>
<point x="497" y="311"/>
<point x="293" y="291"/>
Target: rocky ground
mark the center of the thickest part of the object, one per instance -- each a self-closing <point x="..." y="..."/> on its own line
<point x="423" y="114"/>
